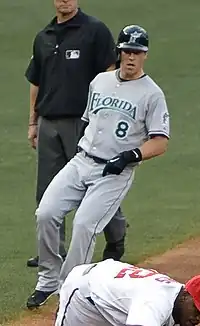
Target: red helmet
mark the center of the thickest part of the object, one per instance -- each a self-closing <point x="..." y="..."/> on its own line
<point x="193" y="288"/>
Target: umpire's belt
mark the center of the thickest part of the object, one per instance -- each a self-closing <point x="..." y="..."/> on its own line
<point x="95" y="158"/>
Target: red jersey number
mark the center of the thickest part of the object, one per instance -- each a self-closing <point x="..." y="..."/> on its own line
<point x="135" y="272"/>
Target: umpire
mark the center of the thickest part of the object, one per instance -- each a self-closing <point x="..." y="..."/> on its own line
<point x="67" y="54"/>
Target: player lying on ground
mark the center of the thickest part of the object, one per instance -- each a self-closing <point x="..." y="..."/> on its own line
<point x="127" y="122"/>
<point x="114" y="293"/>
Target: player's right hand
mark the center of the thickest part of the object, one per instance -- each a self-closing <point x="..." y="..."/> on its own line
<point x="32" y="136"/>
<point x="115" y="166"/>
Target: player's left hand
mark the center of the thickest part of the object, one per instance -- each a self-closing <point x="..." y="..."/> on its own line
<point x="115" y="166"/>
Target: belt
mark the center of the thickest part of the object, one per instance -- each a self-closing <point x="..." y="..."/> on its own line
<point x="90" y="300"/>
<point x="95" y="158"/>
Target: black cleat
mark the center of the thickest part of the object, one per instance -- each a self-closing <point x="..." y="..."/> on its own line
<point x="33" y="261"/>
<point x="39" y="298"/>
<point x="114" y="250"/>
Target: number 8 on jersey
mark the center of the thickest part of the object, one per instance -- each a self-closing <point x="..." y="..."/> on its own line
<point x="122" y="129"/>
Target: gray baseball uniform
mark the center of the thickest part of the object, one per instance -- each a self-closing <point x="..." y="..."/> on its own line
<point x="122" y="115"/>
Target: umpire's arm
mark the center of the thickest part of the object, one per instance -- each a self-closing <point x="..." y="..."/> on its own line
<point x="33" y="76"/>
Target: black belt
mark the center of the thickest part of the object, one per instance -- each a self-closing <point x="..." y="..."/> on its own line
<point x="90" y="300"/>
<point x="95" y="158"/>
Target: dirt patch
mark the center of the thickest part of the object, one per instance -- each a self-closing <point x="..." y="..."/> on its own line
<point x="181" y="263"/>
<point x="44" y="316"/>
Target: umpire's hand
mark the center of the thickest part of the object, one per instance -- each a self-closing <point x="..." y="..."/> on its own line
<point x="32" y="135"/>
<point x="115" y="166"/>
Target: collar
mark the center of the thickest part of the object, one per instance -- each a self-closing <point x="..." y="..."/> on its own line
<point x="126" y="80"/>
<point x="75" y="21"/>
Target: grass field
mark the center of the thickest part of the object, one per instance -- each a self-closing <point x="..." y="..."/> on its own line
<point x="163" y="206"/>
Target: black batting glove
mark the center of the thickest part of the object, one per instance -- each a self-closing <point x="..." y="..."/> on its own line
<point x="117" y="164"/>
<point x="114" y="166"/>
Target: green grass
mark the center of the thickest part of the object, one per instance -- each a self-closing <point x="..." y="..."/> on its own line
<point x="163" y="206"/>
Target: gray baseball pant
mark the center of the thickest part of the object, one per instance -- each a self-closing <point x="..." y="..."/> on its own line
<point x="57" y="144"/>
<point x="79" y="185"/>
<point x="57" y="141"/>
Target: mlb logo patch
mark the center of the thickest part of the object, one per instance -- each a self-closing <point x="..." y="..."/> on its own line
<point x="72" y="54"/>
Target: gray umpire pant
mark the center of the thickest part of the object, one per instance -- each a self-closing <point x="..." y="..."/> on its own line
<point x="57" y="144"/>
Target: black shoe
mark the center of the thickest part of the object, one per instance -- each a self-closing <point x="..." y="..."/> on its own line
<point x="114" y="250"/>
<point x="38" y="298"/>
<point x="33" y="262"/>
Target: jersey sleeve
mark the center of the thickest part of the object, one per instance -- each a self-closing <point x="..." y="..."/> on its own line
<point x="152" y="311"/>
<point x="157" y="118"/>
<point x="104" y="49"/>
<point x="33" y="70"/>
<point x="85" y="116"/>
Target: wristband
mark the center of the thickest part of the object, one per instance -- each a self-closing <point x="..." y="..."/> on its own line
<point x="133" y="156"/>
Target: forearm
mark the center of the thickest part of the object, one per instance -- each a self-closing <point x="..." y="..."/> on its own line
<point x="154" y="147"/>
<point x="33" y="96"/>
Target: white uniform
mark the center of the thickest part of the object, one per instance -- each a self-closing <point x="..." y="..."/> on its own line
<point x="121" y="294"/>
<point x="122" y="115"/>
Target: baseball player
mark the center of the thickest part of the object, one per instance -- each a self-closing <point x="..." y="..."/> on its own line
<point x="115" y="293"/>
<point x="126" y="122"/>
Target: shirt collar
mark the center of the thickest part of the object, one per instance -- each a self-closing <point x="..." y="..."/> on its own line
<point x="75" y="21"/>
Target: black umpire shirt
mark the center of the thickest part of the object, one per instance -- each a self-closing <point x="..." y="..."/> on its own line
<point x="66" y="57"/>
